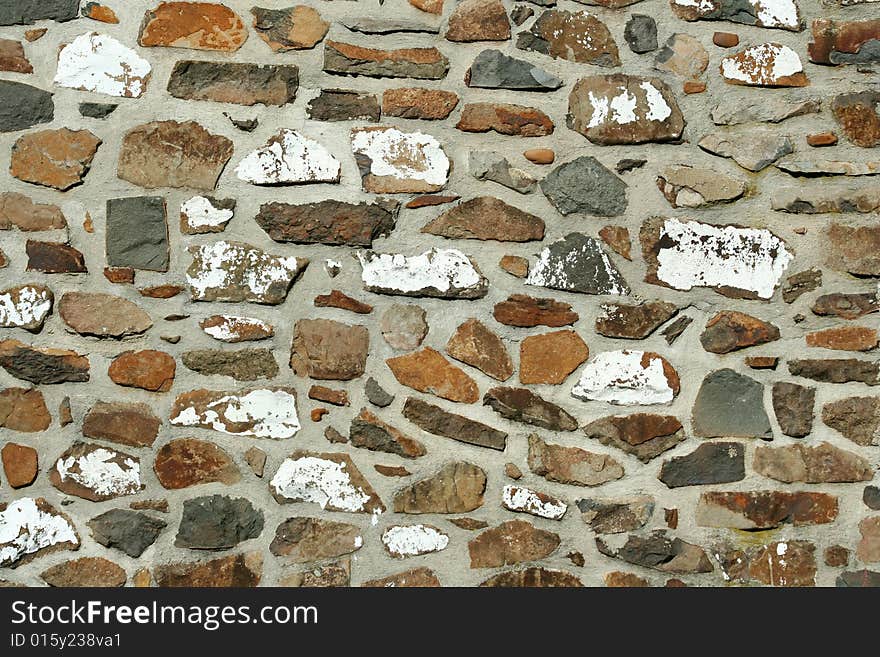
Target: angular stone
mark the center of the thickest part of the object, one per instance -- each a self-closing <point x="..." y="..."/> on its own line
<point x="22" y="106"/>
<point x="99" y="12"/>
<point x="525" y="500"/>
<point x="858" y="117"/>
<point x="292" y="28"/>
<point x="615" y="516"/>
<point x="514" y="265"/>
<point x="19" y="211"/>
<point x="96" y="473"/>
<point x="256" y="460"/>
<point x="846" y="306"/>
<point x="289" y="158"/>
<point x="326" y="349"/>
<point x="487" y="218"/>
<point x="217" y="522"/>
<point x="312" y="539"/>
<point x="102" y="315"/>
<point x="757" y="510"/>
<point x="186" y="462"/>
<point x="796" y="166"/>
<point x="230" y="82"/>
<point x="395" y="162"/>
<point x="494" y="167"/>
<point x="27" y="12"/>
<point x="235" y="271"/>
<point x="429" y="6"/>
<point x="511" y="542"/>
<point x="349" y="59"/>
<point x="618" y="579"/>
<point x="853" y="249"/>
<point x="641" y="434"/>
<point x="403" y="326"/>
<point x="473" y="343"/>
<point x="676" y="328"/>
<point x="236" y="570"/>
<point x="576" y="36"/>
<point x="801" y="283"/>
<point x="684" y="56"/>
<point x="369" y="432"/>
<point x="784" y="563"/>
<point x="793" y="405"/>
<point x="584" y="186"/>
<point x="440" y="273"/>
<point x="857" y="418"/>
<point x="241" y="365"/>
<point x="376" y="394"/>
<point x="737" y="262"/>
<point x="730" y="330"/>
<point x="259" y="412"/>
<point x="330" y="480"/>
<point x="831" y="198"/>
<point x="337" y="299"/>
<point x="710" y="463"/>
<point x="571" y="465"/>
<point x="328" y="222"/>
<point x="101" y="64"/>
<point x="526" y="311"/>
<point x="234" y="328"/>
<point x="205" y="214"/>
<point x="417" y="103"/>
<point x="43" y="365"/>
<point x="859" y="578"/>
<point x="391" y="25"/>
<point x="754" y="149"/>
<point x="767" y="110"/>
<point x="869" y="546"/>
<point x="627" y="378"/>
<point x="343" y="105"/>
<point x="469" y="524"/>
<point x="641" y="33"/>
<point x="478" y="20"/>
<point x="577" y="263"/>
<point x="147" y="369"/>
<point x="551" y="357"/>
<point x="20" y="464"/>
<point x="54" y="258"/>
<point x="32" y="527"/>
<point x="730" y="404"/>
<point x="54" y="158"/>
<point x="824" y="463"/>
<point x="457" y="487"/>
<point x="505" y="119"/>
<point x="871" y="497"/>
<point x="764" y="65"/>
<point x="780" y="14"/>
<point x="416" y="577"/>
<point x="437" y="421"/>
<point x="97" y="110"/>
<point x="492" y="69"/>
<point x="85" y="572"/>
<point x="844" y="42"/>
<point x="846" y="338"/>
<point x="194" y="25"/>
<point x="137" y="233"/>
<point x="633" y="321"/>
<point x="25" y="306"/>
<point x="128" y="531"/>
<point x="402" y="541"/>
<point x="836" y="370"/>
<point x="690" y="187"/>
<point x="533" y="577"/>
<point x="521" y="405"/>
<point x="660" y="552"/>
<point x="127" y="423"/>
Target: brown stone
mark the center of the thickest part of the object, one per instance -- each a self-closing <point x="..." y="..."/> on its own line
<point x="660" y="552"/>
<point x="475" y="344"/>
<point x="391" y="470"/>
<point x="836" y="556"/>
<point x="533" y="577"/>
<point x="761" y="362"/>
<point x="96" y="473"/>
<point x="682" y="55"/>
<point x="20" y="464"/>
<point x="571" y="465"/>
<point x="337" y="299"/>
<point x="845" y="306"/>
<point x="434" y="419"/>
<point x="311" y="539"/>
<point x="511" y="542"/>
<point x="756" y="66"/>
<point x="148" y="369"/>
<point x="514" y="265"/>
<point x="12" y="57"/>
<point x="836" y="370"/>
<point x="232" y="328"/>
<point x="633" y="321"/>
<point x="35" y="33"/>
<point x="85" y="572"/>
<point x="617" y="237"/>
<point x="317" y="414"/>
<point x="256" y="460"/>
<point x="102" y="315"/>
<point x="487" y="218"/>
<point x="764" y="509"/>
<point x="725" y="39"/>
<point x="326" y="349"/>
<point x="784" y="563"/>
<point x="329" y="395"/>
<point x="729" y="331"/>
<point x="235" y="570"/>
<point x="160" y="505"/>
<point x="854" y="249"/>
<point x="142" y="579"/>
<point x="478" y="20"/>
<point x="194" y="25"/>
<point x="693" y="87"/>
<point x="523" y="405"/>
<point x="820" y="139"/>
<point x="576" y="36"/>
<point x="118" y="275"/>
<point x="65" y="416"/>
<point x="842" y="42"/>
<point x="350" y="59"/>
<point x="505" y="119"/>
<point x="526" y="311"/>
<point x="19" y="211"/>
<point x="824" y="463"/>
<point x="868" y="549"/>
<point x="430" y="200"/>
<point x="457" y="487"/>
<point x="540" y="155"/>
<point x="54" y="258"/>
<point x="616" y="515"/>
<point x="173" y="154"/>
<point x="166" y="291"/>
<point x="23" y="409"/>
<point x="417" y="577"/>
<point x="292" y="28"/>
<point x="271" y="411"/>
<point x="793" y="405"/>
<point x="512" y="470"/>
<point x="428" y="371"/>
<point x="551" y="357"/>
<point x="188" y="462"/>
<point x="857" y="115"/>
<point x="618" y="579"/>
<point x="328" y="222"/>
<point x="417" y="103"/>
<point x="404" y="326"/>
<point x="428" y="6"/>
<point x="857" y="418"/>
<point x="54" y="158"/>
<point x="127" y="423"/>
<point x="643" y="435"/>
<point x="43" y="365"/>
<point x="369" y="432"/>
<point x="846" y="338"/>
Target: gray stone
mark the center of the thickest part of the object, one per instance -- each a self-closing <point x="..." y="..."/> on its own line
<point x="585" y="186"/>
<point x="241" y="364"/>
<point x="388" y="25"/>
<point x="801" y="283"/>
<point x="348" y="59"/>
<point x="871" y="497"/>
<point x="522" y="405"/>
<point x="22" y="105"/>
<point x="658" y="551"/>
<point x="710" y="463"/>
<point x="137" y="233"/>
<point x="730" y="404"/>
<point x="766" y="110"/>
<point x="615" y="516"/>
<point x="434" y="419"/>
<point x="492" y="69"/>
<point x="343" y="105"/>
<point x="494" y="167"/>
<point x="577" y="263"/>
<point x="751" y="148"/>
<point x="217" y="522"/>
<point x="793" y="405"/>
<point x="376" y="394"/>
<point x="129" y="531"/>
<point x="858" y="578"/>
<point x="27" y="12"/>
<point x="97" y="110"/>
<point x="231" y="82"/>
<point x="827" y="198"/>
<point x="641" y="34"/>
<point x="836" y="370"/>
<point x="692" y="187"/>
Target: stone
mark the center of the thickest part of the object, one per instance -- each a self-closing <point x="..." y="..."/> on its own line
<point x="194" y="25"/>
<point x="660" y="552"/>
<point x="533" y="577"/>
<point x="20" y="464"/>
<point x="23" y="409"/>
<point x="759" y="510"/>
<point x="147" y="369"/>
<point x="235" y="570"/>
<point x="737" y="262"/>
<point x="162" y="292"/>
<point x="99" y="12"/>
<point x="650" y="115"/>
<point x="801" y="283"/>
<point x="289" y="158"/>
<point x="492" y="69"/>
<point x="682" y="55"/>
<point x="577" y="263"/>
<point x="836" y="370"/>
<point x="522" y="405"/>
<point x="871" y="497"/>
<point x="844" y="42"/>
<point x="85" y="572"/>
<point x="337" y="574"/>
<point x="232" y="82"/>
<point x="391" y="161"/>
<point x="256" y="460"/>
<point x="97" y="110"/>
<point x="343" y="105"/>
<point x="389" y="25"/>
<point x="643" y="435"/>
<point x="795" y="166"/>
<point x="868" y="549"/>
<point x="331" y="480"/>
<point x="691" y="187"/>
<point x="509" y="543"/>
<point x="857" y="115"/>
<point x="754" y="148"/>
<point x="540" y="155"/>
<point x="17" y="211"/>
<point x="369" y="432"/>
<point x="525" y="500"/>
<point x="627" y="378"/>
<point x="675" y="329"/>
<point x="730" y="405"/>
<point x="457" y="487"/>
<point x="494" y="167"/>
<point x="859" y="578"/>
<point x="27" y="12"/>
<point x="730" y="330"/>
<point x="784" y="563"/>
<point x="25" y="306"/>
<point x="430" y="200"/>
<point x="428" y="6"/>
<point x="478" y="20"/>
<point x="137" y="233"/>
<point x="54" y="258"/>
<point x="33" y="527"/>
<point x="126" y="423"/>
<point x="102" y="315"/>
<point x="438" y="273"/>
<point x="617" y="579"/>
<point x="576" y="36"/>
<point x="291" y="28"/>
<point x="824" y="463"/>
<point x="54" y="158"/>
<point x="241" y="365"/>
<point x="328" y="222"/>
<point x="571" y="465"/>
<point x="96" y="473"/>
<point x="101" y="64"/>
<point x="852" y="249"/>
<point x="12" y="57"/>
<point x="584" y="186"/>
<point x="526" y="311"/>
<point x="235" y="328"/>
<point x="260" y="412"/>
<point x="710" y="463"/>
<point x="764" y="65"/>
<point x="845" y="306"/>
<point x="376" y="395"/>
<point x="186" y="462"/>
<point x="205" y="214"/>
<point x="857" y="418"/>
<point x="173" y="154"/>
<point x="349" y="59"/>
<point x="832" y="198"/>
<point x="217" y="522"/>
<point x="551" y="357"/>
<point x="793" y="406"/>
<point x="236" y="271"/>
<point x="302" y="540"/>
<point x="43" y="365"/>
<point x="437" y="421"/>
<point x="402" y="541"/>
<point x="822" y="139"/>
<point x="779" y="14"/>
<point x="633" y="321"/>
<point x="337" y="299"/>
<point x="129" y="531"/>
<point x="403" y="326"/>
<point x="487" y="218"/>
<point x="767" y="110"/>
<point x="514" y="265"/>
<point x="23" y="106"/>
<point x="640" y="33"/>
<point x="618" y="515"/>
<point x="475" y="344"/>
<point x="35" y="34"/>
<point x="846" y="338"/>
<point x="326" y="349"/>
<point x="416" y="577"/>
<point x="418" y="103"/>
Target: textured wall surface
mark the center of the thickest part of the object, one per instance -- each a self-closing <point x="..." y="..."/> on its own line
<point x="549" y="294"/>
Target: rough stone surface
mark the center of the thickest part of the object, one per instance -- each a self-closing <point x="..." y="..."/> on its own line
<point x="584" y="186"/>
<point x="475" y="344"/>
<point x="487" y="218"/>
<point x="577" y="263"/>
<point x="456" y="487"/>
<point x="820" y="464"/>
<point x="131" y="532"/>
<point x="730" y="405"/>
<point x="522" y="405"/>
<point x="434" y="419"/>
<point x="551" y="357"/>
<point x="54" y="158"/>
<point x="428" y="371"/>
<point x="194" y="25"/>
<point x="571" y="465"/>
<point x="763" y="509"/>
<point x="793" y="406"/>
<point x="228" y="82"/>
<point x="710" y="463"/>
<point x="643" y="435"/>
<point x="186" y="462"/>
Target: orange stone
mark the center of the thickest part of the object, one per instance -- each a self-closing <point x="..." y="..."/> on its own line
<point x="540" y="155"/>
<point x="514" y="265"/>
<point x="618" y="579"/>
<point x="844" y="338"/>
<point x="694" y="87"/>
<point x="416" y="103"/>
<point x="188" y="462"/>
<point x="36" y="33"/>
<point x="617" y="237"/>
<point x="551" y="357"/>
<point x="148" y="369"/>
<point x="505" y="119"/>
<point x="428" y="371"/>
<point x="337" y="299"/>
<point x="725" y="39"/>
<point x="478" y="20"/>
<point x="23" y="409"/>
<point x="194" y="25"/>
<point x="119" y="274"/>
<point x="429" y="6"/>
<point x="54" y="158"/>
<point x="820" y="139"/>
<point x="161" y="291"/>
<point x="99" y="13"/>
<point x="317" y="414"/>
<point x="19" y="464"/>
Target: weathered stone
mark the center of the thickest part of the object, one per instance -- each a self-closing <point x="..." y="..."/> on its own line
<point x="793" y="405"/>
<point x="764" y="65"/>
<point x="857" y="418"/>
<point x="859" y="578"/>
<point x="217" y="522"/>
<point x="85" y="572"/>
<point x="618" y="579"/>
<point x="492" y="69"/>
<point x="97" y="110"/>
<point x="185" y="462"/>
<point x="231" y="82"/>
<point x="576" y="36"/>
<point x="395" y="162"/>
<point x="871" y="497"/>
<point x="505" y="119"/>
<point x="127" y="423"/>
<point x="435" y="420"/>
<point x="845" y="338"/>
<point x="328" y="222"/>
<point x="241" y="365"/>
<point x="869" y="546"/>
<point x="54" y="158"/>
<point x="194" y="25"/>
<point x="689" y="187"/>
<point x="390" y="24"/>
<point x="710" y="463"/>
<point x="234" y="328"/>
<point x="292" y="28"/>
<point x="148" y="369"/>
<point x="511" y="542"/>
<point x="798" y="166"/>
<point x="577" y="263"/>
<point x="475" y="344"/>
<point x="829" y="198"/>
<point x="801" y="283"/>
<point x="478" y="20"/>
<point x="338" y="299"/>
<point x="99" y="12"/>
<point x="551" y="357"/>
<point x="25" y="306"/>
<point x="780" y="14"/>
<point x="571" y="465"/>
<point x="784" y="563"/>
<point x="428" y="6"/>
<point x="494" y="167"/>
<point x="525" y="500"/>
<point x="836" y="370"/>
<point x="96" y="473"/>
<point x="585" y="186"/>
<point x="730" y="330"/>
<point x="259" y="412"/>
<point x="312" y="539"/>
<point x="633" y="321"/>
<point x="43" y="365"/>
<point x="256" y="460"/>
<point x="402" y="541"/>
<point x="20" y="212"/>
<point x="54" y="258"/>
<point x="404" y="326"/>
<point x="857" y="115"/>
<point x="457" y="487"/>
<point x="417" y="103"/>
<point x="514" y="265"/>
<point x="349" y="59"/>
<point x="526" y="311"/>
<point x="236" y="570"/>
<point x="846" y="306"/>
<point x="22" y="106"/>
<point x="675" y="329"/>
<point x="521" y="405"/>
<point x="102" y="315"/>
<point x="682" y="55"/>
<point x="768" y="110"/>
<point x="640" y="33"/>
<point x="660" y="552"/>
<point x="326" y="349"/>
<point x="754" y="149"/>
<point x="428" y="371"/>
<point x="844" y="42"/>
<point x="369" y="432"/>
<point x="137" y="233"/>
<point x="99" y="63"/>
<point x="343" y="105"/>
<point x="615" y="516"/>
<point x="533" y="577"/>
<point x="730" y="405"/>
<point x="853" y="249"/>
<point x="377" y="395"/>
<point x="430" y="200"/>
<point x="289" y="158"/>
<point x="764" y="509"/>
<point x="627" y="378"/>
<point x="128" y="531"/>
<point x="824" y="463"/>
<point x="487" y="218"/>
<point x="20" y="464"/>
<point x="416" y="577"/>
<point x="27" y="12"/>
<point x="205" y="214"/>
<point x="641" y="434"/>
<point x="32" y="527"/>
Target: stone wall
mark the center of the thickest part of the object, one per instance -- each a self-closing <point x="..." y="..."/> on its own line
<point x="424" y="293"/>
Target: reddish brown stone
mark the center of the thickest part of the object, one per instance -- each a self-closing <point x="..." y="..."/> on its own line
<point x="237" y="570"/>
<point x="161" y="291"/>
<point x="551" y="357"/>
<point x="576" y="36"/>
<point x="857" y="418"/>
<point x="100" y="13"/>
<point x="96" y="473"/>
<point x="328" y="222"/>
<point x="762" y="362"/>
<point x="23" y="409"/>
<point x="325" y="394"/>
<point x="752" y="510"/>
<point x="478" y="20"/>
<point x="440" y="422"/>
<point x="836" y="556"/>
<point x="487" y="218"/>
<point x="505" y="119"/>
<point x="473" y="343"/>
<point x="457" y="487"/>
<point x="784" y="563"/>
<point x="35" y="34"/>
<point x="232" y="328"/>
<point x="19" y="211"/>
<point x="756" y="66"/>
<point x="526" y="311"/>
<point x="54" y="258"/>
<point x="325" y="349"/>
<point x="522" y="405"/>
<point x="868" y="549"/>
<point x="430" y="200"/>
<point x="428" y="371"/>
<point x="511" y="542"/>
<point x="85" y="572"/>
<point x="160" y="505"/>
<point x="846" y="338"/>
<point x="102" y="315"/>
<point x="841" y="42"/>
<point x="337" y="299"/>
<point x="347" y="58"/>
<point x="846" y="306"/>
<point x="858" y="117"/>
<point x="428" y="6"/>
<point x="188" y="462"/>
<point x="119" y="274"/>
<point x="19" y="464"/>
<point x="12" y="57"/>
<point x="540" y="155"/>
<point x="391" y="470"/>
<point x="725" y="39"/>
<point x="54" y="158"/>
<point x="512" y="470"/>
<point x="417" y="577"/>
<point x="148" y="369"/>
<point x="369" y="432"/>
<point x="617" y="237"/>
<point x="694" y="87"/>
<point x="729" y="330"/>
<point x="194" y="25"/>
<point x="634" y="322"/>
<point x="514" y="265"/>
<point x="819" y="139"/>
<point x="317" y="414"/>
<point x="618" y="579"/>
<point x="644" y="435"/>
<point x="417" y="103"/>
<point x="533" y="577"/>
<point x="122" y="422"/>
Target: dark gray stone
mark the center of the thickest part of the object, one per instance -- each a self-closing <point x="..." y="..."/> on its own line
<point x="343" y="105"/>
<point x="376" y="394"/>
<point x="674" y="330"/>
<point x="521" y="405"/>
<point x="615" y="516"/>
<point x="22" y="105"/>
<point x="231" y="82"/>
<point x="126" y="530"/>
<point x="137" y="233"/>
<point x="858" y="579"/>
<point x="793" y="405"/>
<point x="730" y="404"/>
<point x="585" y="186"/>
<point x="27" y="12"/>
<point x="577" y="263"/>
<point x="836" y="370"/>
<point x="710" y="463"/>
<point x="217" y="522"/>
<point x="871" y="497"/>
<point x="660" y="552"/>
<point x="492" y="69"/>
<point x="97" y="110"/>
<point x="641" y="34"/>
<point x="521" y="13"/>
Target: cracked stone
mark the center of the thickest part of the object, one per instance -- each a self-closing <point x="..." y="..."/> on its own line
<point x="439" y="422"/>
<point x="643" y="435"/>
<point x="232" y="82"/>
<point x="571" y="465"/>
<point x="457" y="487"/>
<point x="327" y="349"/>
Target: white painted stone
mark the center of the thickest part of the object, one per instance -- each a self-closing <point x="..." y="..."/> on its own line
<point x="99" y="472"/>
<point x="441" y="269"/>
<point x="776" y="13"/>
<point x="764" y="64"/>
<point x="402" y="155"/>
<point x="233" y="327"/>
<point x="618" y="377"/>
<point x="703" y="255"/>
<point x="321" y="481"/>
<point x="525" y="500"/>
<point x="623" y="107"/>
<point x="25" y="306"/>
<point x="412" y="540"/>
<point x="25" y="529"/>
<point x="289" y="158"/>
<point x="200" y="213"/>
<point x="99" y="63"/>
<point x="267" y="414"/>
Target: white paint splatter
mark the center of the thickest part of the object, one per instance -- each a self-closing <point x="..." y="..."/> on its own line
<point x="622" y="107"/>
<point x="551" y="269"/>
<point x="199" y="212"/>
<point x="402" y="155"/>
<point x="289" y="158"/>
<point x="618" y="377"/>
<point x="764" y="64"/>
<point x="233" y="328"/>
<point x="25" y="306"/>
<point x="441" y="269"/>
<point x="266" y="414"/>
<point x="702" y="5"/>
<point x="322" y="481"/>
<point x="413" y="540"/>
<point x="99" y="63"/>
<point x="658" y="108"/>
<point x="25" y="529"/>
<point x="98" y="471"/>
<point x="776" y="13"/>
<point x="525" y="500"/>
